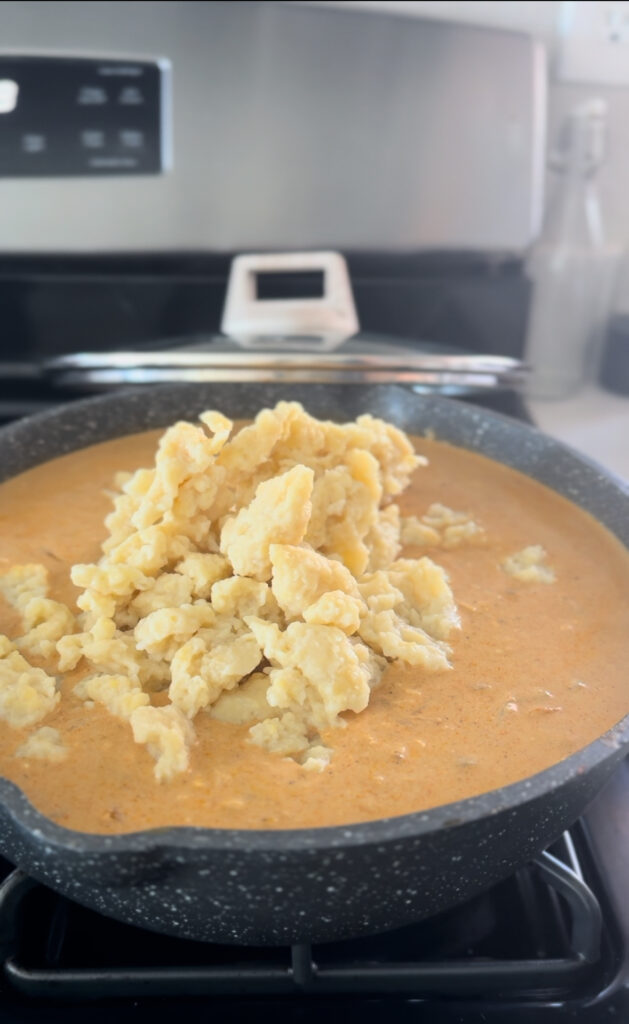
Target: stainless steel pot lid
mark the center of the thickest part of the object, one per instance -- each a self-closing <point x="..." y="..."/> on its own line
<point x="309" y="340"/>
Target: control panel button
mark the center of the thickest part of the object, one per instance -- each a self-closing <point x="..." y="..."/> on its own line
<point x="91" y="96"/>
<point x="8" y="95"/>
<point x="93" y="138"/>
<point x="33" y="143"/>
<point x="131" y="138"/>
<point x="131" y="96"/>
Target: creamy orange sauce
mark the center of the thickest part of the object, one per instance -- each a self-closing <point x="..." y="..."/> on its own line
<point x="513" y="704"/>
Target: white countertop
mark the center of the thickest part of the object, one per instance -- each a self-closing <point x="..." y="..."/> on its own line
<point x="593" y="421"/>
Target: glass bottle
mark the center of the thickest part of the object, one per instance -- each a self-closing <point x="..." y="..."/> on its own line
<point x="571" y="266"/>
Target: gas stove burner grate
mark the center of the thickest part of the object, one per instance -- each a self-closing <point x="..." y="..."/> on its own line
<point x="560" y="926"/>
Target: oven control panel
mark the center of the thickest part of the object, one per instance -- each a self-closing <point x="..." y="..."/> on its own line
<point x="66" y="116"/>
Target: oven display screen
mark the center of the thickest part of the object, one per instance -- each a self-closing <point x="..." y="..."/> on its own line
<point x="62" y="116"/>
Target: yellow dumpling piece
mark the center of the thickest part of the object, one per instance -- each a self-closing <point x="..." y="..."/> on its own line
<point x="279" y="514"/>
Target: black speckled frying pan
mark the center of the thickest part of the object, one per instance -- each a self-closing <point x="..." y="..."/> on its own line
<point x="276" y="887"/>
